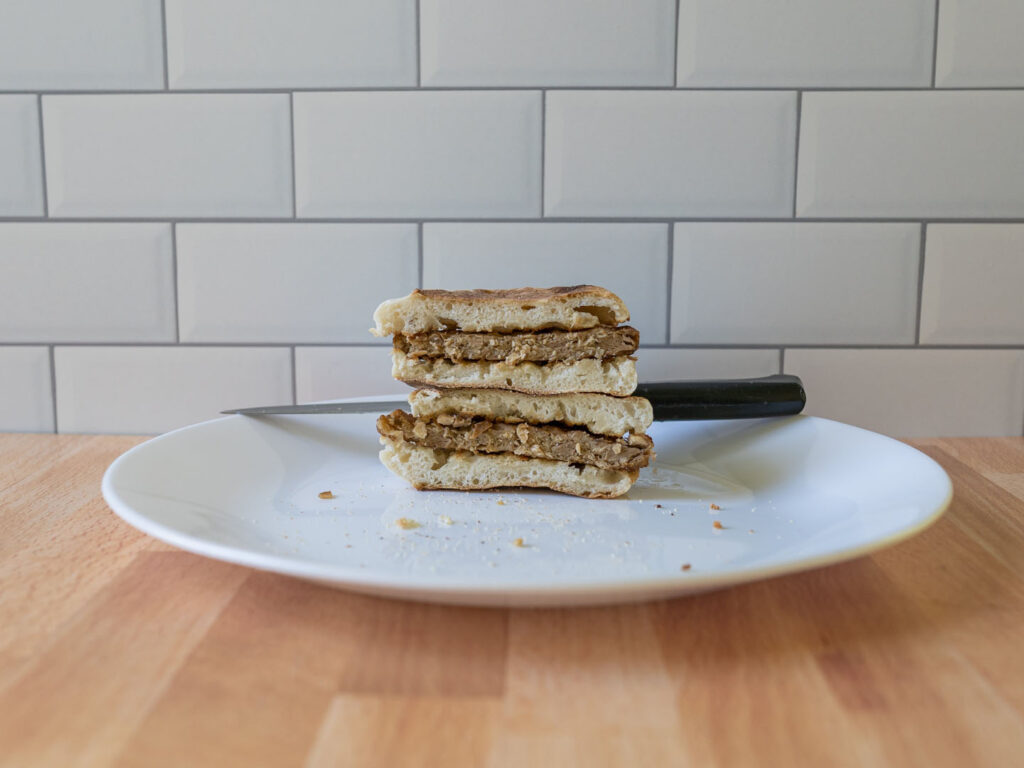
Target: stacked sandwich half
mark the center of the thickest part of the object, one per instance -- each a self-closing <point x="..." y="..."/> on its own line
<point x="524" y="387"/>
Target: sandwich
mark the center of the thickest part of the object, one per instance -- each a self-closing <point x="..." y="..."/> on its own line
<point x="518" y="388"/>
<point x="584" y="444"/>
<point x="540" y="341"/>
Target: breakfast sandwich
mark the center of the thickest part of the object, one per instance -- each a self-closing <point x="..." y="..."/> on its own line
<point x="518" y="388"/>
<point x="584" y="444"/>
<point x="533" y="340"/>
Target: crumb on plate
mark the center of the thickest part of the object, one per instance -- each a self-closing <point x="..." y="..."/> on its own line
<point x="718" y="525"/>
<point x="518" y="542"/>
<point x="447" y="520"/>
<point x="326" y="494"/>
<point x="685" y="567"/>
<point x="715" y="507"/>
<point x="406" y="523"/>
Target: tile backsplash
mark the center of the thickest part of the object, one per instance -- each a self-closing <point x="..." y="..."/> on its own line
<point x="202" y="201"/>
<point x="418" y="154"/>
<point x="21" y="182"/>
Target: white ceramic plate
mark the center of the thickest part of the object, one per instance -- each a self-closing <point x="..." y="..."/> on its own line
<point x="793" y="493"/>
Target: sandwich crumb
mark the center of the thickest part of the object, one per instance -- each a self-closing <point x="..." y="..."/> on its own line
<point x="326" y="495"/>
<point x="715" y="507"/>
<point x="518" y="542"/>
<point x="406" y="523"/>
<point x="718" y="525"/>
<point x="751" y="530"/>
<point x="658" y="506"/>
<point x="446" y="520"/>
<point x="501" y="502"/>
<point x="685" y="567"/>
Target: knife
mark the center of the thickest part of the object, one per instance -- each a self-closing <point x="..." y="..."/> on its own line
<point x="778" y="395"/>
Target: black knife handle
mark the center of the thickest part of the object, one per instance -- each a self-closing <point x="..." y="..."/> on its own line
<point x="778" y="395"/>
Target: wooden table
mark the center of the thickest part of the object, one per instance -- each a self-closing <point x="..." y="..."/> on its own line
<point x="116" y="649"/>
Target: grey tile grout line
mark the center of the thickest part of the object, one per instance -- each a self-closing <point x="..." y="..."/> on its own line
<point x="920" y="284"/>
<point x="935" y="42"/>
<point x="196" y="344"/>
<point x="419" y="255"/>
<point x="782" y="219"/>
<point x="668" y="280"/>
<point x="295" y="388"/>
<point x="419" y="48"/>
<point x="163" y="37"/>
<point x="42" y="156"/>
<point x="291" y="138"/>
<point x="174" y="274"/>
<point x="796" y="146"/>
<point x="53" y="385"/>
<point x="907" y="346"/>
<point x="543" y="146"/>
<point x="675" y="49"/>
<point x="499" y="88"/>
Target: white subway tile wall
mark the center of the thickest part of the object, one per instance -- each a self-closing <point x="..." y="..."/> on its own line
<point x="979" y="43"/>
<point x="158" y="155"/>
<point x="973" y="284"/>
<point x="329" y="373"/>
<point x="418" y="154"/>
<point x="156" y="389"/>
<point x="917" y="392"/>
<point x="809" y="43"/>
<point x="115" y="282"/>
<point x="201" y="203"/>
<point x="547" y="42"/>
<point x="785" y="283"/>
<point x="317" y="43"/>
<point x="21" y="178"/>
<point x="309" y="283"/>
<point x="911" y="154"/>
<point x="669" y="154"/>
<point x="665" y="364"/>
<point x="51" y="45"/>
<point x="27" y="402"/>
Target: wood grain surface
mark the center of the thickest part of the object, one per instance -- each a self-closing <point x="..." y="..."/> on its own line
<point x="117" y="650"/>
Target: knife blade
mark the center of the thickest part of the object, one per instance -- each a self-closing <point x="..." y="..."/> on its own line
<point x="375" y="406"/>
<point x="778" y="395"/>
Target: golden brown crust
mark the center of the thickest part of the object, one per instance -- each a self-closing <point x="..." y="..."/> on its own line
<point x="571" y="307"/>
<point x="527" y="293"/>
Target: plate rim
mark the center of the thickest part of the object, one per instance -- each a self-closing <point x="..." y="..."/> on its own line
<point x="426" y="586"/>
